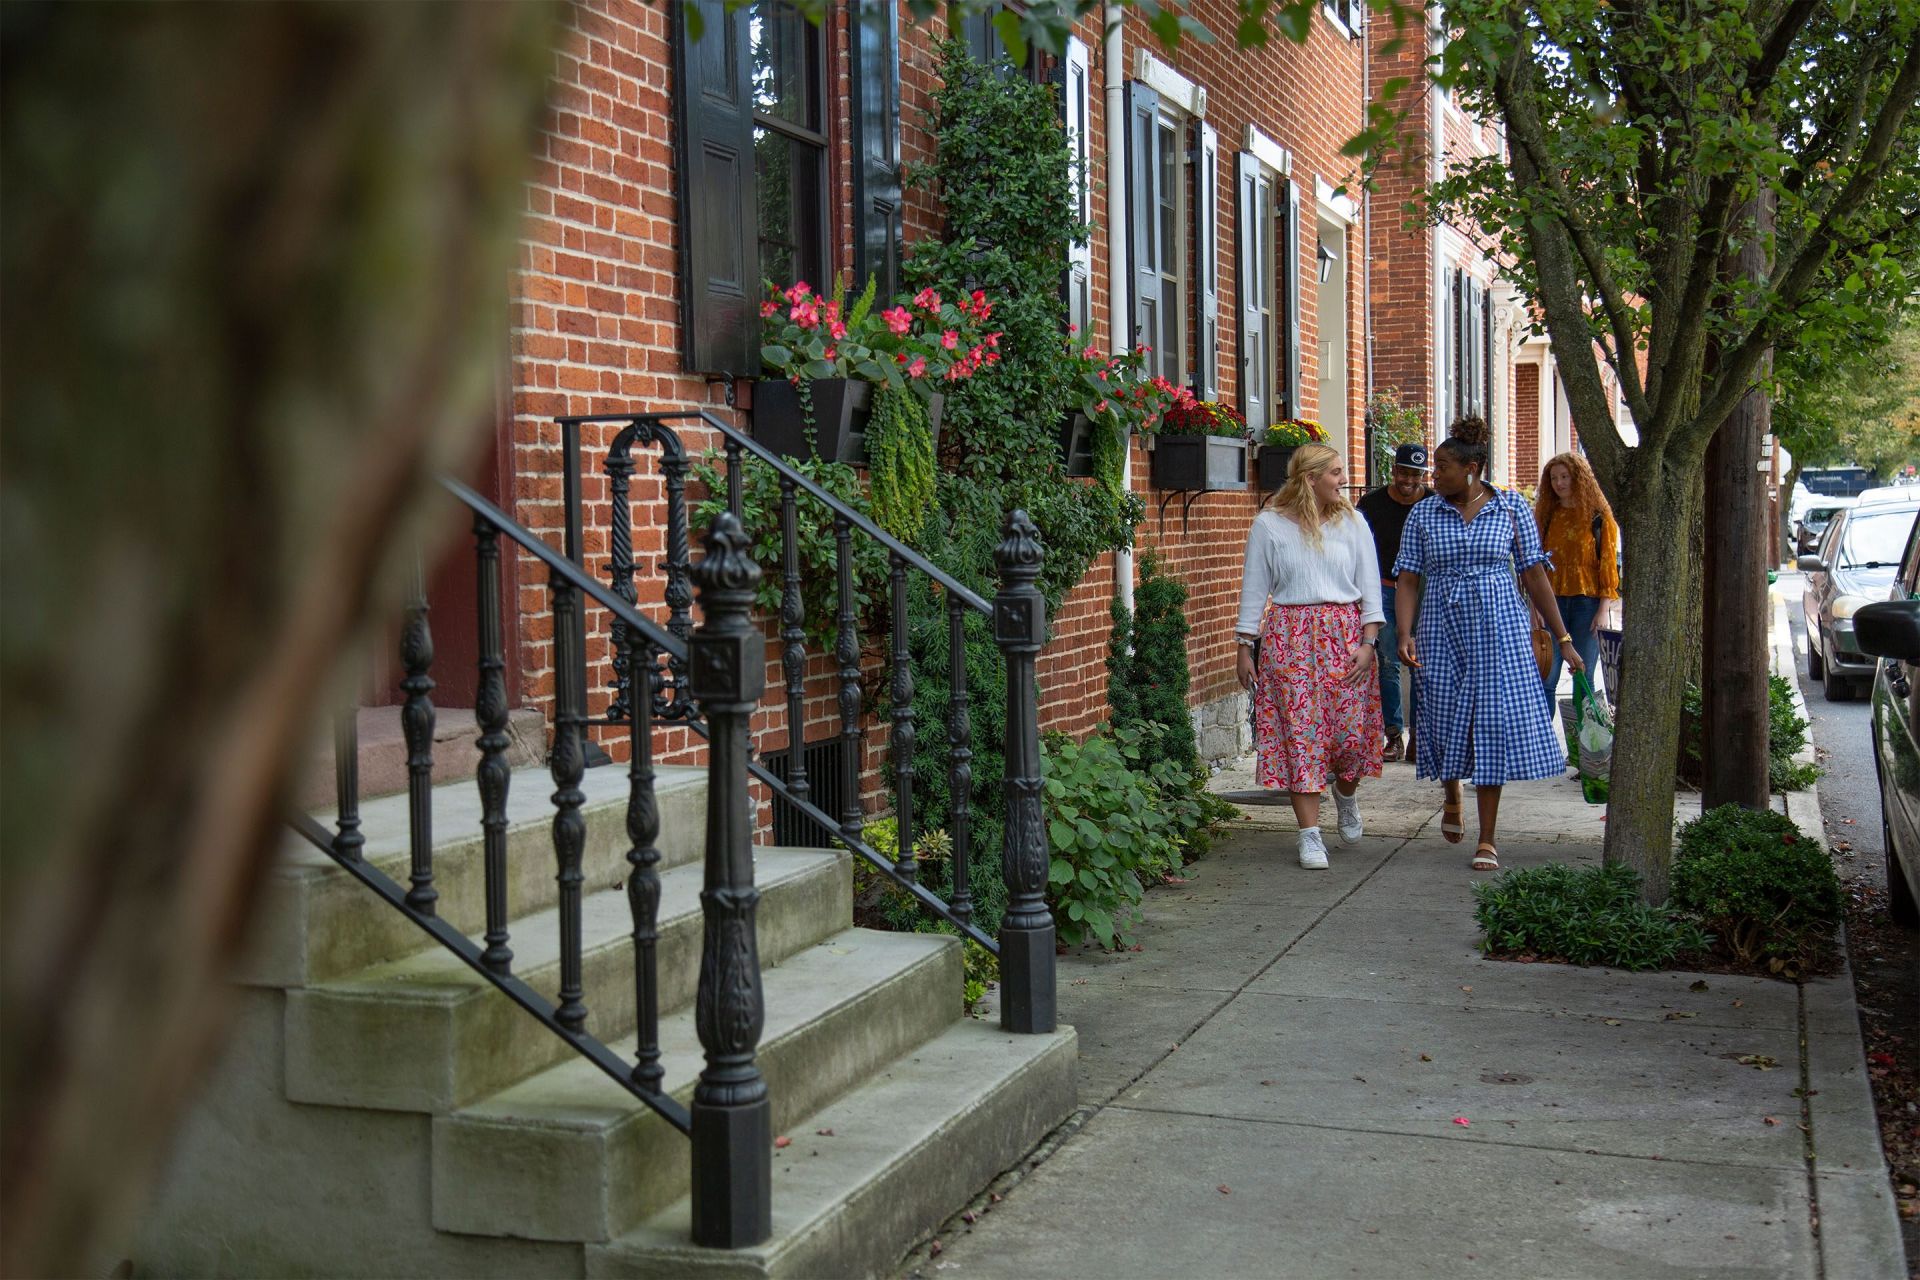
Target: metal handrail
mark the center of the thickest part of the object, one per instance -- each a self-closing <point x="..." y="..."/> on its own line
<point x="557" y="563"/>
<point x="947" y="581"/>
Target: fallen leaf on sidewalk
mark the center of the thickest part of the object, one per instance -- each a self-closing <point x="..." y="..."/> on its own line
<point x="824" y="1133"/>
<point x="1674" y="1015"/>
<point x="782" y="1142"/>
<point x="1462" y="1121"/>
<point x="1078" y="982"/>
<point x="1266" y="1082"/>
<point x="1612" y="1022"/>
<point x="1224" y="1189"/>
<point x="1426" y="1057"/>
<point x="1361" y="1079"/>
<point x="1843" y="846"/>
<point x="1771" y="1122"/>
<point x="1758" y="1061"/>
<point x="934" y="1248"/>
<point x="1701" y="985"/>
<point x="1468" y="990"/>
<point x="1739" y="1004"/>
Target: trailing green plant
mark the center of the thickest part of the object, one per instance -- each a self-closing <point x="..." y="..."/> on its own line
<point x="760" y="515"/>
<point x="1768" y="892"/>
<point x="1394" y="423"/>
<point x="1582" y="915"/>
<point x="900" y="463"/>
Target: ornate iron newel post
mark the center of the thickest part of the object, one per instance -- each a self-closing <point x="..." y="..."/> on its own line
<point x="1026" y="931"/>
<point x="732" y="1119"/>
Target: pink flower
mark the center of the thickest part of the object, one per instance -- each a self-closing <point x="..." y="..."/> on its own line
<point x="1091" y="353"/>
<point x="927" y="299"/>
<point x="918" y="369"/>
<point x="806" y="315"/>
<point x="1103" y="375"/>
<point x="830" y="353"/>
<point x="838" y="330"/>
<point x="1462" y="1121"/>
<point x="993" y="340"/>
<point x="1101" y="407"/>
<point x="898" y="319"/>
<point x="949" y="340"/>
<point x="798" y="291"/>
<point x="768" y="309"/>
<point x="1073" y="328"/>
<point x="833" y="311"/>
<point x="981" y="307"/>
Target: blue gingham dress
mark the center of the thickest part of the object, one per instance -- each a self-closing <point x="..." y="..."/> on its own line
<point x="1483" y="712"/>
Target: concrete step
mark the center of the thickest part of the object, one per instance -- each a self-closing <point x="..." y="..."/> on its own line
<point x="383" y="751"/>
<point x="316" y="922"/>
<point x="908" y="1148"/>
<point x="426" y="1033"/>
<point x="570" y="1155"/>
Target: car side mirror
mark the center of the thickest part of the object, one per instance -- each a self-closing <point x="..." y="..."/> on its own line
<point x="1890" y="629"/>
<point x="1811" y="564"/>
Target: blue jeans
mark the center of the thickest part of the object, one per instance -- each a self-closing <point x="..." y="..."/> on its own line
<point x="1578" y="612"/>
<point x="1390" y="668"/>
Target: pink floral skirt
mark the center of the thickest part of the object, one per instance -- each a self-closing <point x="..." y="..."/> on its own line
<point x="1310" y="725"/>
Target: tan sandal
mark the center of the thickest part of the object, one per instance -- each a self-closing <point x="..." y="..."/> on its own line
<point x="1452" y="828"/>
<point x="1486" y="858"/>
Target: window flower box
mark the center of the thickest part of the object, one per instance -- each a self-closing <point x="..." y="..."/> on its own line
<point x="841" y="408"/>
<point x="1199" y="462"/>
<point x="1273" y="461"/>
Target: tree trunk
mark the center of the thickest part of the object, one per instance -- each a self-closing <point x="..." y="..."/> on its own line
<point x="258" y="259"/>
<point x="1734" y="686"/>
<point x="1658" y="582"/>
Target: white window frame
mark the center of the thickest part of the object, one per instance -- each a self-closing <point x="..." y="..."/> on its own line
<point x="1078" y="99"/>
<point x="1169" y="355"/>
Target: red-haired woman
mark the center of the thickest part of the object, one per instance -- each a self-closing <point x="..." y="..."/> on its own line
<point x="1579" y="535"/>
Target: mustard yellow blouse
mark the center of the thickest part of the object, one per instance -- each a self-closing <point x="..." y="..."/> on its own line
<point x="1583" y="565"/>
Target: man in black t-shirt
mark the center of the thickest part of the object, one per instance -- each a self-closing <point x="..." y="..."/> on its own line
<point x="1386" y="511"/>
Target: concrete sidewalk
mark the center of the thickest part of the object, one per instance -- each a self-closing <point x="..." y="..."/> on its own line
<point x="1274" y="1085"/>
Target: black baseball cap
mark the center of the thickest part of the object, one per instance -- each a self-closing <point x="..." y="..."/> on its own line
<point x="1412" y="455"/>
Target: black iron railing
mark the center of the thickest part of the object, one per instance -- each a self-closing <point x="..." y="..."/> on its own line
<point x="709" y="678"/>
<point x="1018" y="618"/>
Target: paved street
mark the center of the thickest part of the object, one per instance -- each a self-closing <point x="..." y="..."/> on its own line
<point x="1276" y="1084"/>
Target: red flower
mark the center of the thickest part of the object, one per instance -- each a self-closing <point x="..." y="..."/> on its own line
<point x="950" y="340"/>
<point x="918" y="369"/>
<point x="927" y="299"/>
<point x="768" y="309"/>
<point x="898" y="319"/>
<point x="798" y="291"/>
<point x="837" y="329"/>
<point x="830" y="353"/>
<point x="806" y="315"/>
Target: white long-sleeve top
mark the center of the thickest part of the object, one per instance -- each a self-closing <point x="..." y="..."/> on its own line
<point x="1282" y="566"/>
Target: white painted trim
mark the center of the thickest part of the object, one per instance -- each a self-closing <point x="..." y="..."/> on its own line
<point x="1336" y="207"/>
<point x="1174" y="89"/>
<point x="1269" y="153"/>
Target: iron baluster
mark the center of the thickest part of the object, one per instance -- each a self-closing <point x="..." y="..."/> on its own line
<point x="960" y="756"/>
<point x="847" y="653"/>
<point x="679" y="593"/>
<point x="568" y="764"/>
<point x="736" y="478"/>
<point x="1026" y="931"/>
<point x="619" y="469"/>
<point x="793" y="638"/>
<point x="643" y="863"/>
<point x="731" y="1113"/>
<point x="416" y="723"/>
<point x="903" y="731"/>
<point x="347" y="839"/>
<point x="495" y="775"/>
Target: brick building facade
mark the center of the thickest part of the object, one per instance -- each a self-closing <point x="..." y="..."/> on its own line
<point x="605" y="321"/>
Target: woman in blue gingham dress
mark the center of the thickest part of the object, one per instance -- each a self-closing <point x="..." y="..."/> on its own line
<point x="1484" y="714"/>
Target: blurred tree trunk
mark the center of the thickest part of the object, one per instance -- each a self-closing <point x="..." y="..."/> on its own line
<point x="256" y="265"/>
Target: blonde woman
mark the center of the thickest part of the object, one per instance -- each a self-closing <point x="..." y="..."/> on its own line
<point x="1579" y="535"/>
<point x="1310" y="611"/>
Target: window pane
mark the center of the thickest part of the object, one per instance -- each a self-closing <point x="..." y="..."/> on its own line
<point x="783" y="43"/>
<point x="1168" y="159"/>
<point x="790" y="205"/>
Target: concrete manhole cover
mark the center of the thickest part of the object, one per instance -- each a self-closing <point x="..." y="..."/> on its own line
<point x="1504" y="1077"/>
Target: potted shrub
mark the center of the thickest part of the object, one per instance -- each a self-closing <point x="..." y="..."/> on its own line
<point x="1199" y="445"/>
<point x="1113" y="398"/>
<point x="1277" y="446"/>
<point x="832" y="359"/>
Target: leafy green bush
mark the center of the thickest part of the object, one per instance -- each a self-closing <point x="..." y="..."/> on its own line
<point x="1583" y="915"/>
<point x="1147" y="674"/>
<point x="1766" y="891"/>
<point x="1786" y="735"/>
<point x="1107" y="830"/>
<point x="880" y="903"/>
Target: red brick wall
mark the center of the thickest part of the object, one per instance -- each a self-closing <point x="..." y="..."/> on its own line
<point x="595" y="320"/>
<point x="1526" y="425"/>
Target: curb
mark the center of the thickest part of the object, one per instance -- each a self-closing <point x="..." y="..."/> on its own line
<point x="1857" y="1224"/>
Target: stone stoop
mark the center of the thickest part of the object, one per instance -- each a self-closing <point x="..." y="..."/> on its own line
<point x="369" y="1057"/>
<point x="383" y="751"/>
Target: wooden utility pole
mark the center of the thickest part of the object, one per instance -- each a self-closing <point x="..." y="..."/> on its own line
<point x="1737" y="657"/>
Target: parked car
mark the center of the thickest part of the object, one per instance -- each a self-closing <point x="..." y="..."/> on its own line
<point x="1855" y="566"/>
<point x="1891" y="631"/>
<point x="1813" y="522"/>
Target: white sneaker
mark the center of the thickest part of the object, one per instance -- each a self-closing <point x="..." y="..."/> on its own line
<point x="1313" y="850"/>
<point x="1349" y="809"/>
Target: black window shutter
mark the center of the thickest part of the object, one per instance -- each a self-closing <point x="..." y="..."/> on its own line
<point x="1143" y="125"/>
<point x="874" y="44"/>
<point x="719" y="241"/>
<point x="1290" y="405"/>
<point x="1206" y="203"/>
